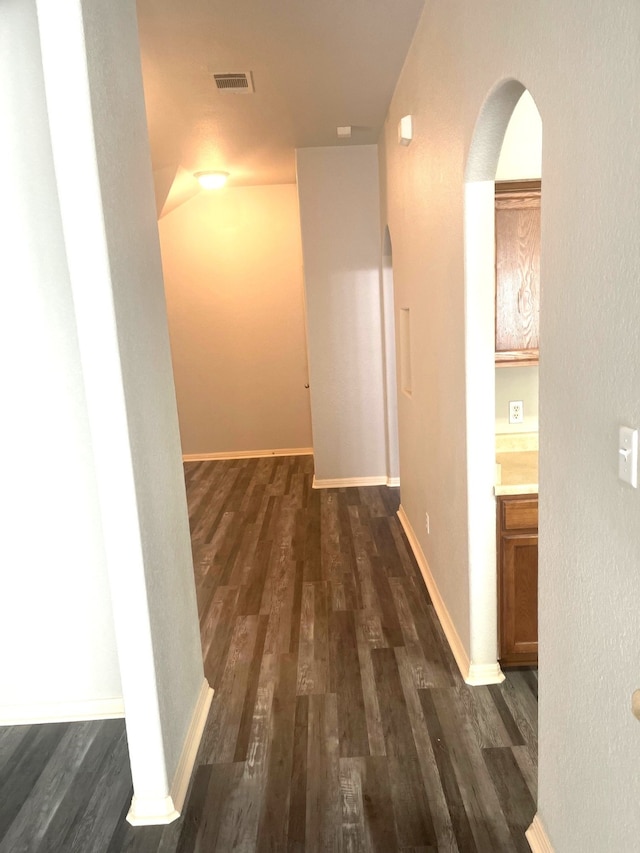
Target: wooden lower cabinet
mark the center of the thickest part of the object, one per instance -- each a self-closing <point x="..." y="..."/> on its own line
<point x="518" y="580"/>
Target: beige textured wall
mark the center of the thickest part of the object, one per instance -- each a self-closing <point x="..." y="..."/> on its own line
<point x="580" y="62"/>
<point x="233" y="278"/>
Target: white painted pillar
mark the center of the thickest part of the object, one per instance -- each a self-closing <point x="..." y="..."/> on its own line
<point x="480" y="426"/>
<point x="93" y="85"/>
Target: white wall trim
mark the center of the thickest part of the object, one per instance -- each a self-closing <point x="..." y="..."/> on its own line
<point x="145" y="811"/>
<point x="480" y="374"/>
<point x="537" y="837"/>
<point x="192" y="742"/>
<point x="349" y="482"/>
<point x="393" y="482"/>
<point x="473" y="674"/>
<point x="453" y="638"/>
<point x="484" y="673"/>
<point x="150" y="811"/>
<point x="247" y="454"/>
<point x="61" y="712"/>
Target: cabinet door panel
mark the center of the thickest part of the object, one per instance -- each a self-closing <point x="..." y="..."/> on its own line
<point x="520" y="514"/>
<point x="519" y="598"/>
<point x="517" y="275"/>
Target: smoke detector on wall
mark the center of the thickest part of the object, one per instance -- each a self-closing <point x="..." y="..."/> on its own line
<point x="238" y="83"/>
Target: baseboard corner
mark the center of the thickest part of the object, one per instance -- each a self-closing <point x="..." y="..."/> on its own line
<point x="537" y="837"/>
<point x="152" y="811"/>
<point x="147" y="811"/>
<point x="484" y="673"/>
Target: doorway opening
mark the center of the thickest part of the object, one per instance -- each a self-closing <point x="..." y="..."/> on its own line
<point x="501" y="149"/>
<point x="390" y="386"/>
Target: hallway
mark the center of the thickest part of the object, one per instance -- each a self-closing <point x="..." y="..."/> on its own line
<point x="339" y="720"/>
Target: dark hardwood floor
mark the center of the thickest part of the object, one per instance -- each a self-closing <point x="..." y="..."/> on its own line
<point x="339" y="722"/>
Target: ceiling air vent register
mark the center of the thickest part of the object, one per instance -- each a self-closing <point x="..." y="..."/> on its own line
<point x="234" y="84"/>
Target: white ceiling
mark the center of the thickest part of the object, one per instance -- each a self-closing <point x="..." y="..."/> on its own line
<point x="316" y="64"/>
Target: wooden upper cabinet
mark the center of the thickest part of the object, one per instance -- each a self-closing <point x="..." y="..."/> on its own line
<point x="517" y="271"/>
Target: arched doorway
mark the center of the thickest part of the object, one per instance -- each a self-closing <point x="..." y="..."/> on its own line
<point x="389" y="362"/>
<point x="479" y="201"/>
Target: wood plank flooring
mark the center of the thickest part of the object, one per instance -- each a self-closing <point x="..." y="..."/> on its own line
<point x="339" y="721"/>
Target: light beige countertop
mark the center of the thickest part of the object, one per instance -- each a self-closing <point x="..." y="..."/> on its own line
<point x="517" y="472"/>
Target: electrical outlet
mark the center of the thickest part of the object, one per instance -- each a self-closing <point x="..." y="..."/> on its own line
<point x="516" y="412"/>
<point x="426" y="522"/>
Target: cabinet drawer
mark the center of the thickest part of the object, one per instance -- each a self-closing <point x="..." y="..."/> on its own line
<point x="520" y="515"/>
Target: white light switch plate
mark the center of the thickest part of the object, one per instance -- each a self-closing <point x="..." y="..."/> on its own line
<point x="628" y="456"/>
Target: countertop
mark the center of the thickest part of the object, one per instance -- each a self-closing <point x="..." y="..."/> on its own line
<point x="517" y="472"/>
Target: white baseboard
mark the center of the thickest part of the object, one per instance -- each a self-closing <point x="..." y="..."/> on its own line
<point x="484" y="673"/>
<point x="537" y="837"/>
<point x="455" y="643"/>
<point x="191" y="744"/>
<point x="61" y="712"/>
<point x="247" y="454"/>
<point x="473" y="674"/>
<point x="152" y="811"/>
<point x="349" y="482"/>
<point x="393" y="482"/>
<point x="146" y="811"/>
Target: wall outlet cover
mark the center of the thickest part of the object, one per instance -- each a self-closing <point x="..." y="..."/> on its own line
<point x="516" y="412"/>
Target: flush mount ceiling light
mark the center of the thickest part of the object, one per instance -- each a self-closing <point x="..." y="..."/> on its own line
<point x="211" y="180"/>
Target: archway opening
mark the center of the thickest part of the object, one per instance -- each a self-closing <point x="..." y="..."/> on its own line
<point x="484" y="166"/>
